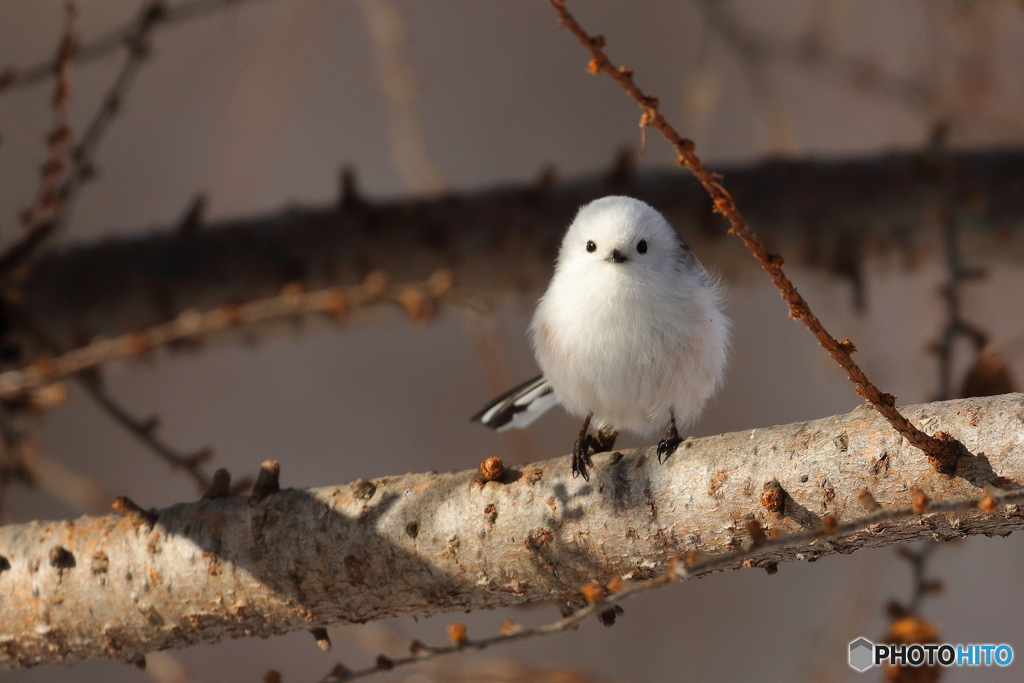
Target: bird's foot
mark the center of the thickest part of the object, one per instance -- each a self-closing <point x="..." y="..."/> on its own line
<point x="581" y="456"/>
<point x="668" y="446"/>
<point x="604" y="440"/>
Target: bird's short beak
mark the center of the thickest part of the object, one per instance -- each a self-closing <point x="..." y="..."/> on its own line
<point x="617" y="256"/>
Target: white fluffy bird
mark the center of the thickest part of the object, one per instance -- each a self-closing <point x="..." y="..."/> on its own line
<point x="629" y="335"/>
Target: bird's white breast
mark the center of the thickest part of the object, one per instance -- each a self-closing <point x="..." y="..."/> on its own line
<point x="630" y="348"/>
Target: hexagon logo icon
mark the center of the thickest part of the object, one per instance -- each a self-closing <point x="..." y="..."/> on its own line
<point x="862" y="654"/>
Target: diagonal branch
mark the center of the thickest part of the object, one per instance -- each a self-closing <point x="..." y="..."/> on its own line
<point x="419" y="544"/>
<point x="19" y="254"/>
<point x="941" y="449"/>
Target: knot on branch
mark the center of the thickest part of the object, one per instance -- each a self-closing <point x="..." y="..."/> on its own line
<point x="945" y="453"/>
<point x="491" y="469"/>
<point x="773" y="497"/>
<point x="798" y="310"/>
<point x="885" y="400"/>
<point x="130" y="509"/>
<point x="268" y="481"/>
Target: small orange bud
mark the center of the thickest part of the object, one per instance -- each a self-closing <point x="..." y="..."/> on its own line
<point x="441" y="282"/>
<point x="988" y="504"/>
<point x="593" y="67"/>
<point x="829" y="524"/>
<point x="593" y="591"/>
<point x="919" y="501"/>
<point x="138" y="343"/>
<point x="867" y="501"/>
<point x="457" y="633"/>
<point x="912" y="629"/>
<point x="509" y="627"/>
<point x="337" y="305"/>
<point x="616" y="585"/>
<point x="416" y="304"/>
<point x="48" y="396"/>
<point x="232" y="314"/>
<point x="491" y="469"/>
<point x="772" y="498"/>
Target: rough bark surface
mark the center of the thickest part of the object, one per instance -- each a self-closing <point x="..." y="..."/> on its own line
<point x="423" y="543"/>
<point x="503" y="241"/>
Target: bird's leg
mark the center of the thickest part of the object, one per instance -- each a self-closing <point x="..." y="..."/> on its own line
<point x="604" y="440"/>
<point x="668" y="445"/>
<point x="580" y="455"/>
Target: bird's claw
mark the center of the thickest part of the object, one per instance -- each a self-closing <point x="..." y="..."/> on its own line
<point x="581" y="458"/>
<point x="668" y="446"/>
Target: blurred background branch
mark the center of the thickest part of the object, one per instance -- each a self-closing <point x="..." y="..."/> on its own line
<point x="501" y="243"/>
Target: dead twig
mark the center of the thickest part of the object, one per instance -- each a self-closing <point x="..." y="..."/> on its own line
<point x="58" y="140"/>
<point x="145" y="431"/>
<point x="419" y="301"/>
<point x="14" y="259"/>
<point x="13" y="78"/>
<point x="942" y="449"/>
<point x="92" y="381"/>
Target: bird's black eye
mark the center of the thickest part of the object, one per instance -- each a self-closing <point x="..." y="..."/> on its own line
<point x="591" y="247"/>
<point x="641" y="246"/>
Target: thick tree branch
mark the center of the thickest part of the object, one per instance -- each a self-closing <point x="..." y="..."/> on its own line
<point x="503" y="241"/>
<point x="420" y="544"/>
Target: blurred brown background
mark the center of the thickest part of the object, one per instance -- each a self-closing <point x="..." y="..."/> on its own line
<point x="258" y="105"/>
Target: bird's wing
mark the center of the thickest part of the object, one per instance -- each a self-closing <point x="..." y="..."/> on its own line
<point x="518" y="407"/>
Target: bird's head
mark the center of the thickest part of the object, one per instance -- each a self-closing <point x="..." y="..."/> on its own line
<point x="620" y="233"/>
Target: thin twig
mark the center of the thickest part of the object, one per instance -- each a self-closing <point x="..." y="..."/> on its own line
<point x="54" y="171"/>
<point x="923" y="586"/>
<point x="957" y="274"/>
<point x="112" y="41"/>
<point x="145" y="431"/>
<point x="137" y="42"/>
<point x="419" y="300"/>
<point x="942" y="449"/>
<point x="47" y="204"/>
<point x="681" y="569"/>
<point x="91" y="380"/>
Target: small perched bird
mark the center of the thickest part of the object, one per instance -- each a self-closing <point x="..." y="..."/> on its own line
<point x="629" y="335"/>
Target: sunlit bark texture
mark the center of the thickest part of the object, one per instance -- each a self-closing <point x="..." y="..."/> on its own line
<point x="423" y="543"/>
